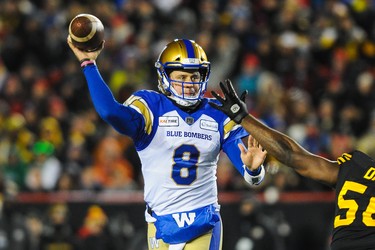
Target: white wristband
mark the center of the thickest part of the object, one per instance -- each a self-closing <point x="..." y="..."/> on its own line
<point x="254" y="180"/>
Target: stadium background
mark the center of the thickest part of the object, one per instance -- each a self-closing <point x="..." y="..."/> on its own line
<point x="308" y="66"/>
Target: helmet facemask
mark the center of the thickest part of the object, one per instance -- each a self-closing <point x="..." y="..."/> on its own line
<point x="183" y="55"/>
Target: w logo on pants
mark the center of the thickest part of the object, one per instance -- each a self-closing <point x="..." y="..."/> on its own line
<point x="183" y="218"/>
<point x="184" y="226"/>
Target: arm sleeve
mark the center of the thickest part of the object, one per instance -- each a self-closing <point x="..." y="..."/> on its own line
<point x="233" y="153"/>
<point x="252" y="177"/>
<point x="122" y="118"/>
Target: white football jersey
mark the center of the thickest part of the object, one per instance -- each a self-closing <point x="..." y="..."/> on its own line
<point x="179" y="151"/>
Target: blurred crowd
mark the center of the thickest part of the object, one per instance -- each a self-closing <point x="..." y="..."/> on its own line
<point x="307" y="64"/>
<point x="57" y="227"/>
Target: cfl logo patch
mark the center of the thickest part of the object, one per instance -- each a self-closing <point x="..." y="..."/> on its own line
<point x="235" y="108"/>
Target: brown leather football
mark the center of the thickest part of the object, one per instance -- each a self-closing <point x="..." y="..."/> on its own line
<point x="86" y="32"/>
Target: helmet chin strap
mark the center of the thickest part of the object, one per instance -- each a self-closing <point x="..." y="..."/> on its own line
<point x="182" y="102"/>
<point x="190" y="108"/>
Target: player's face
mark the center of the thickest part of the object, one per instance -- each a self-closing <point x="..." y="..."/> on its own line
<point x="183" y="82"/>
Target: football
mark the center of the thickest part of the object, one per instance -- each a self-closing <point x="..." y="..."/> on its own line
<point x="86" y="32"/>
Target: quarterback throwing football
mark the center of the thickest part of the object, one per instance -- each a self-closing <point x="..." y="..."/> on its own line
<point x="178" y="137"/>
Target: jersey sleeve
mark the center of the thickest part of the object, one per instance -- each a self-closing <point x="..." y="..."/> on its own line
<point x="234" y="154"/>
<point x="124" y="119"/>
<point x="233" y="134"/>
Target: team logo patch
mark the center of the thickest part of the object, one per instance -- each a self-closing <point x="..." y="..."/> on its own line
<point x="209" y="125"/>
<point x="168" y="121"/>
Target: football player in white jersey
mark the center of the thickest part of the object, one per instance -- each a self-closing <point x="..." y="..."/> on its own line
<point x="178" y="137"/>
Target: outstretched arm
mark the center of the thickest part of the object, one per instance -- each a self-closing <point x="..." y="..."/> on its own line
<point x="124" y="119"/>
<point x="289" y="152"/>
<point x="281" y="146"/>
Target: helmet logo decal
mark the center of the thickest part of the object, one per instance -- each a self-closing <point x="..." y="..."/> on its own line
<point x="190" y="61"/>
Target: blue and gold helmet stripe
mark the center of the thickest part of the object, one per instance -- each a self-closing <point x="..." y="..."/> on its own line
<point x="189" y="49"/>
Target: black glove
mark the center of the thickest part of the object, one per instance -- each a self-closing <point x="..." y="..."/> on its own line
<point x="232" y="106"/>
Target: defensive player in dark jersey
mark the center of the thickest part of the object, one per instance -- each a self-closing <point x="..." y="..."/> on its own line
<point x="352" y="175"/>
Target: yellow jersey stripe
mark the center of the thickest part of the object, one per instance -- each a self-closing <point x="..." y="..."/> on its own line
<point x="141" y="106"/>
<point x="229" y="127"/>
<point x="344" y="158"/>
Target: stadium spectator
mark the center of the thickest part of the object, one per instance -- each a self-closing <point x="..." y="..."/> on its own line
<point x="94" y="234"/>
<point x="57" y="232"/>
<point x="45" y="169"/>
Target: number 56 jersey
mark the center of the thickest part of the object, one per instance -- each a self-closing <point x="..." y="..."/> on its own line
<point x="354" y="223"/>
<point x="179" y="151"/>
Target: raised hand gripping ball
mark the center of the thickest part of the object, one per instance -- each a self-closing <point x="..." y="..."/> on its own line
<point x="86" y="32"/>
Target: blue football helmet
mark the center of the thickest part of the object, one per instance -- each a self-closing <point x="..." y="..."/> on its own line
<point x="182" y="54"/>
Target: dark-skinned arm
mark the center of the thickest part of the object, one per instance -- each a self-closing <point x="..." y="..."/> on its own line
<point x="282" y="147"/>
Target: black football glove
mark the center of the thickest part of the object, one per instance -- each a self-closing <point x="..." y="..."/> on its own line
<point x="232" y="106"/>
